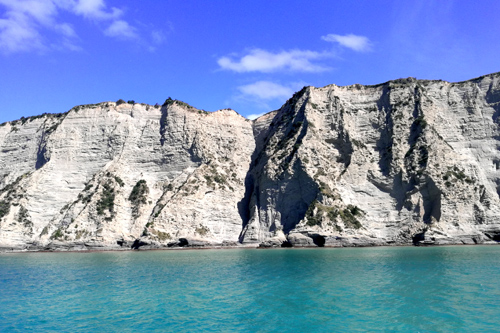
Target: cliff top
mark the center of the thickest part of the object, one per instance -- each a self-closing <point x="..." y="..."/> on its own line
<point x="170" y="101"/>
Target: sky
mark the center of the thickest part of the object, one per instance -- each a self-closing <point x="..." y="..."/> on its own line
<point x="250" y="56"/>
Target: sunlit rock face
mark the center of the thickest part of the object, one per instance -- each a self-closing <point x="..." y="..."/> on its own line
<point x="404" y="162"/>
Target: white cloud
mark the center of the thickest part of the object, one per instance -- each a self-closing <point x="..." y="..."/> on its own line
<point x="255" y="115"/>
<point x="263" y="96"/>
<point x="266" y="90"/>
<point x="18" y="35"/>
<point x="19" y="28"/>
<point x="354" y="42"/>
<point x="66" y="29"/>
<point x="24" y="23"/>
<point x="121" y="29"/>
<point x="96" y="9"/>
<point x="258" y="60"/>
<point x="157" y="36"/>
<point x="41" y="11"/>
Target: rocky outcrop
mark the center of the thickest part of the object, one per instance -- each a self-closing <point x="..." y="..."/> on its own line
<point x="404" y="162"/>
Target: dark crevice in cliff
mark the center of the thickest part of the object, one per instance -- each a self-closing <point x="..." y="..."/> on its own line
<point x="399" y="190"/>
<point x="300" y="125"/>
<point x="299" y="192"/>
<point x="419" y="123"/>
<point x="431" y="196"/>
<point x="393" y="182"/>
<point x="299" y="189"/>
<point x="385" y="141"/>
<point x="416" y="157"/>
<point x="343" y="145"/>
<point x="42" y="156"/>
<point x="41" y="159"/>
<point x="261" y="139"/>
<point x="163" y="124"/>
<point x="493" y="99"/>
<point x="291" y="193"/>
<point x="318" y="240"/>
<point x="194" y="153"/>
<point x="418" y="238"/>
<point x="493" y="235"/>
<point x="244" y="203"/>
<point x="342" y="142"/>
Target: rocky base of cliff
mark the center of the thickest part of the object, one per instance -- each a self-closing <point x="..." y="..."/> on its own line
<point x="295" y="240"/>
<point x="420" y="239"/>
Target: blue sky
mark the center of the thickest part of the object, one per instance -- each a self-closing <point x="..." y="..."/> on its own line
<point x="247" y="55"/>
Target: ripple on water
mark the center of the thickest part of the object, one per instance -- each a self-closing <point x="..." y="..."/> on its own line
<point x="371" y="289"/>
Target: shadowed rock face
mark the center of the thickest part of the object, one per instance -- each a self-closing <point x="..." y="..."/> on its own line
<point x="407" y="161"/>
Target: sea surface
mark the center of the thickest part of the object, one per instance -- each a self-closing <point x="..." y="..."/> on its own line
<point x="384" y="289"/>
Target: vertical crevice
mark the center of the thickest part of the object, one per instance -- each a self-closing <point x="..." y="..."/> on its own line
<point x="42" y="156"/>
<point x="163" y="124"/>
<point x="385" y="141"/>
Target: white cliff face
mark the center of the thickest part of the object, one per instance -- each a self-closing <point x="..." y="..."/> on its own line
<point x="403" y="162"/>
<point x="74" y="183"/>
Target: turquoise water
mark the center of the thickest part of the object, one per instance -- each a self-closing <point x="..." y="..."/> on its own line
<point x="439" y="289"/>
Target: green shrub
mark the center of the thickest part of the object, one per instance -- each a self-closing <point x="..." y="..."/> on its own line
<point x="163" y="236"/>
<point x="4" y="208"/>
<point x="355" y="210"/>
<point x="138" y="196"/>
<point x="420" y="121"/>
<point x="119" y="181"/>
<point x="58" y="234"/>
<point x="24" y="217"/>
<point x="312" y="219"/>
<point x="139" y="192"/>
<point x="456" y="173"/>
<point x="332" y="214"/>
<point x="348" y="217"/>
<point x="107" y="201"/>
<point x="202" y="230"/>
<point x="169" y="101"/>
<point x="220" y="179"/>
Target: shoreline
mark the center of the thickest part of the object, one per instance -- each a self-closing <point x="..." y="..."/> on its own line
<point x="242" y="247"/>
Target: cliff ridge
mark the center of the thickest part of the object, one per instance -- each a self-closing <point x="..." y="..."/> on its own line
<point x="404" y="162"/>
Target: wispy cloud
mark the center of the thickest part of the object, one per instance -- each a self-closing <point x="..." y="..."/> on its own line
<point x="157" y="36"/>
<point x="18" y="34"/>
<point x="19" y="25"/>
<point x="24" y="24"/>
<point x="353" y="42"/>
<point x="96" y="9"/>
<point x="121" y="29"/>
<point x="255" y="115"/>
<point x="262" y="95"/>
<point x="266" y="90"/>
<point x="65" y="29"/>
<point x="258" y="60"/>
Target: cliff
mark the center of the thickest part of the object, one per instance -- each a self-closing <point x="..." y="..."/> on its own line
<point x="404" y="162"/>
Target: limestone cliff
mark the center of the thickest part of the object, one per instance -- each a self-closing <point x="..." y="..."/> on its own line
<point x="404" y="162"/>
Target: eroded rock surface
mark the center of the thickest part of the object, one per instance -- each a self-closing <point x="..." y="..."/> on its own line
<point x="404" y="162"/>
